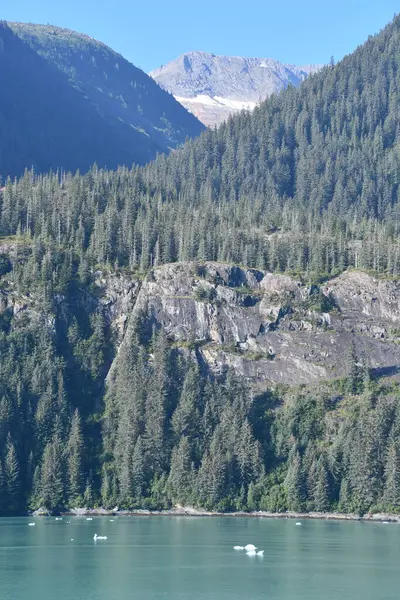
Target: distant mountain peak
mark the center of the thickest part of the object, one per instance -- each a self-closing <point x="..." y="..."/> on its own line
<point x="214" y="86"/>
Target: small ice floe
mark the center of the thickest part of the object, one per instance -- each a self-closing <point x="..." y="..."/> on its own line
<point x="238" y="547"/>
<point x="255" y="553"/>
<point x="385" y="522"/>
<point x="111" y="520"/>
<point x="298" y="523"/>
<point x="250" y="547"/>
<point x="68" y="522"/>
<point x="58" y="518"/>
<point x="99" y="537"/>
<point x="31" y="524"/>
<point x="72" y="539"/>
<point x="89" y="519"/>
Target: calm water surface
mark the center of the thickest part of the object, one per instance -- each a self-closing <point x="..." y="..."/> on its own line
<point x="154" y="558"/>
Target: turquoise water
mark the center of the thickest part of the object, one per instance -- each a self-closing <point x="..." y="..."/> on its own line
<point x="154" y="558"/>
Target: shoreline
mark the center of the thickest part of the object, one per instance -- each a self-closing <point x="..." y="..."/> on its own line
<point x="193" y="512"/>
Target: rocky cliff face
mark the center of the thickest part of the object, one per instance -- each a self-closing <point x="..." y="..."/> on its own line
<point x="213" y="87"/>
<point x="271" y="328"/>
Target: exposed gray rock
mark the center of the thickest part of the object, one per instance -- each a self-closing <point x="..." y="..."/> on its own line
<point x="271" y="328"/>
<point x="213" y="87"/>
<point x="41" y="512"/>
<point x="113" y="294"/>
<point x="116" y="295"/>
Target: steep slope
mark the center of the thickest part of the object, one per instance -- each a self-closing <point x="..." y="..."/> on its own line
<point x="327" y="149"/>
<point x="272" y="328"/>
<point x="54" y="113"/>
<point x="138" y="305"/>
<point x="307" y="182"/>
<point x="214" y="87"/>
<point x="177" y="424"/>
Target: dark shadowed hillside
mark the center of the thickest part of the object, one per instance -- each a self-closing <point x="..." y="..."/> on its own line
<point x="50" y="119"/>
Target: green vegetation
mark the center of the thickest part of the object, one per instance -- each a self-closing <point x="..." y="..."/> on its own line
<point x="320" y="167"/>
<point x="319" y="302"/>
<point x="165" y="431"/>
<point x="169" y="433"/>
<point x="205" y="294"/>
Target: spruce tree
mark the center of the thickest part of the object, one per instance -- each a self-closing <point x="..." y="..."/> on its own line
<point x="88" y="495"/>
<point x="180" y="480"/>
<point x="294" y="482"/>
<point x="355" y="373"/>
<point x="391" y="494"/>
<point x="186" y="418"/>
<point x="12" y="478"/>
<point x="75" y="459"/>
<point x="321" y="490"/>
<point x="138" y="470"/>
<point x="52" y="476"/>
<point x="105" y="492"/>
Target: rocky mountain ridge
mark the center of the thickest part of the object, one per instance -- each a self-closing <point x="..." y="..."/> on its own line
<point x="213" y="87"/>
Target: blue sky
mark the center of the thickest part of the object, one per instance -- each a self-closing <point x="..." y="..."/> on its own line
<point x="152" y="32"/>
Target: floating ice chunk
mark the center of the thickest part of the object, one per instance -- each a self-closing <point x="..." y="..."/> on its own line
<point x="251" y="553"/>
<point x="31" y="524"/>
<point x="250" y="547"/>
<point x="260" y="553"/>
<point x="298" y="523"/>
<point x="238" y="547"/>
<point x="99" y="537"/>
<point x="89" y="519"/>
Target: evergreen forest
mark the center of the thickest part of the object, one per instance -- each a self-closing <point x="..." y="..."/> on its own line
<point x="308" y="185"/>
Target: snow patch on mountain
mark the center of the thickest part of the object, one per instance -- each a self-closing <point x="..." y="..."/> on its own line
<point x="213" y="87"/>
<point x="217" y="101"/>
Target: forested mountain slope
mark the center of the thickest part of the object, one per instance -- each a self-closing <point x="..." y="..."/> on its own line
<point x="127" y="379"/>
<point x="69" y="101"/>
<point x="330" y="144"/>
<point x="176" y="421"/>
<point x="307" y="182"/>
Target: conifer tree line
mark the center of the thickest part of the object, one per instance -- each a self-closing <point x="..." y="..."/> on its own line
<point x="307" y="184"/>
<point x="52" y="368"/>
<point x="165" y="432"/>
<point x="173" y="435"/>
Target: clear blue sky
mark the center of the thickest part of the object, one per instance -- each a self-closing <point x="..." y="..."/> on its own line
<point x="152" y="32"/>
